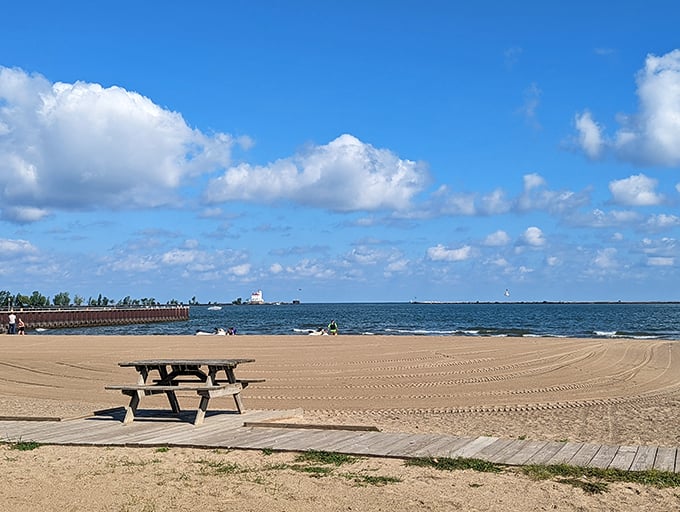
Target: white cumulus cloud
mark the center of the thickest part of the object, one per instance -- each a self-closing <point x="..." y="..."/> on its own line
<point x="638" y="190"/>
<point x="534" y="237"/>
<point x="589" y="135"/>
<point x="82" y="146"/>
<point x="651" y="136"/>
<point x="497" y="238"/>
<point x="441" y="253"/>
<point x="343" y="175"/>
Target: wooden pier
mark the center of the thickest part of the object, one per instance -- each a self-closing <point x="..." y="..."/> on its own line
<point x="59" y="318"/>
<point x="259" y="430"/>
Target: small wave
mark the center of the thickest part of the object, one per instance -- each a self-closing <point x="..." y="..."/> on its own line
<point x="605" y="334"/>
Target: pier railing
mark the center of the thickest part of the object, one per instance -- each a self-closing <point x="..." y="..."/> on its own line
<point x="56" y="318"/>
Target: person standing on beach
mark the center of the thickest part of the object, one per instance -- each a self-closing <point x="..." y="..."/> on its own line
<point x="21" y="326"/>
<point x="333" y="328"/>
<point x="12" y="327"/>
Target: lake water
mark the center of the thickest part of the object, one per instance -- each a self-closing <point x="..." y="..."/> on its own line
<point x="606" y="320"/>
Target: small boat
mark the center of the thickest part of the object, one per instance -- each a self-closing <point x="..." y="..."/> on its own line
<point x="217" y="332"/>
<point x="214" y="308"/>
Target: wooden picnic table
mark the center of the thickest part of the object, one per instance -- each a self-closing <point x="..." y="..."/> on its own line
<point x="199" y="375"/>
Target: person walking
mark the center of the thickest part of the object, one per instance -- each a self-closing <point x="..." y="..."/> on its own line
<point x="12" y="319"/>
<point x="21" y="326"/>
<point x="333" y="328"/>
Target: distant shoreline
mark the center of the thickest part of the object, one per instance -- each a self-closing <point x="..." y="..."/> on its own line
<point x="548" y="302"/>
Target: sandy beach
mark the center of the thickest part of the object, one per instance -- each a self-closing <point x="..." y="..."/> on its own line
<point x="592" y="390"/>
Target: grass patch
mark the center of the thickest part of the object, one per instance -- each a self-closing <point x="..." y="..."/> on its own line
<point x="24" y="446"/>
<point x="650" y="477"/>
<point x="320" y="457"/>
<point x="590" y="480"/>
<point x="315" y="471"/>
<point x="457" y="464"/>
<point x="162" y="449"/>
<point x="363" y="480"/>
<point x="223" y="468"/>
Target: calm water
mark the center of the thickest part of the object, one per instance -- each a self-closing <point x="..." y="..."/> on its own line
<point x="644" y="321"/>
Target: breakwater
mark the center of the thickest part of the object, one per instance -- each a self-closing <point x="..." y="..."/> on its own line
<point x="95" y="316"/>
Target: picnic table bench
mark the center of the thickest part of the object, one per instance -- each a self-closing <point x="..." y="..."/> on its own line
<point x="192" y="375"/>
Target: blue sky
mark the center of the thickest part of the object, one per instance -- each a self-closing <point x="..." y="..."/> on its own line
<point x="341" y="151"/>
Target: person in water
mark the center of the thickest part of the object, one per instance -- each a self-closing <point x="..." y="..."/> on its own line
<point x="333" y="328"/>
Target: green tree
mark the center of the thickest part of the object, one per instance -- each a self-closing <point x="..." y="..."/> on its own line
<point x="38" y="300"/>
<point x="21" y="301"/>
<point x="62" y="299"/>
<point x="6" y="298"/>
<point x="78" y="300"/>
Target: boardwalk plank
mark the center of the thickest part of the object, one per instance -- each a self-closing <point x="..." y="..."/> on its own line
<point x="604" y="457"/>
<point x="434" y="448"/>
<point x="527" y="451"/>
<point x="547" y="451"/>
<point x="384" y="444"/>
<point x="457" y="443"/>
<point x="624" y="458"/>
<point x="644" y="459"/>
<point x="565" y="454"/>
<point x="584" y="455"/>
<point x="511" y="449"/>
<point x="471" y="449"/>
<point x="665" y="459"/>
<point x="417" y="443"/>
<point x="493" y="448"/>
<point x="359" y="439"/>
<point x="328" y="442"/>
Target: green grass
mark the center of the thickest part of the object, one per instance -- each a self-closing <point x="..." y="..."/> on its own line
<point x="590" y="480"/>
<point x="650" y="477"/>
<point x="320" y="457"/>
<point x="457" y="464"/>
<point x="24" y="446"/>
<point x="361" y="479"/>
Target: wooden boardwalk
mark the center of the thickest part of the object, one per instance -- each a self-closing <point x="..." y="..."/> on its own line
<point x="227" y="430"/>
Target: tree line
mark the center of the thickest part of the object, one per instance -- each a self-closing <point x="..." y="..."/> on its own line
<point x="63" y="299"/>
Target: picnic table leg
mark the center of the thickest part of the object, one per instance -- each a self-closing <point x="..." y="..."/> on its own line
<point x="172" y="397"/>
<point x="202" y="409"/>
<point x="131" y="409"/>
<point x="174" y="403"/>
<point x="237" y="396"/>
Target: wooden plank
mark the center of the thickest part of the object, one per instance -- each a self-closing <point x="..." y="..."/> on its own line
<point x="433" y="448"/>
<point x="565" y="454"/>
<point x="385" y="443"/>
<point x="547" y="451"/>
<point x="527" y="451"/>
<point x="665" y="459"/>
<point x="624" y="458"/>
<point x="417" y="443"/>
<point x="273" y="424"/>
<point x="475" y="445"/>
<point x="501" y="456"/>
<point x="644" y="459"/>
<point x="584" y="455"/>
<point x="604" y="456"/>
<point x="457" y="444"/>
<point x="359" y="445"/>
<point x="327" y="440"/>
<point x="491" y="449"/>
